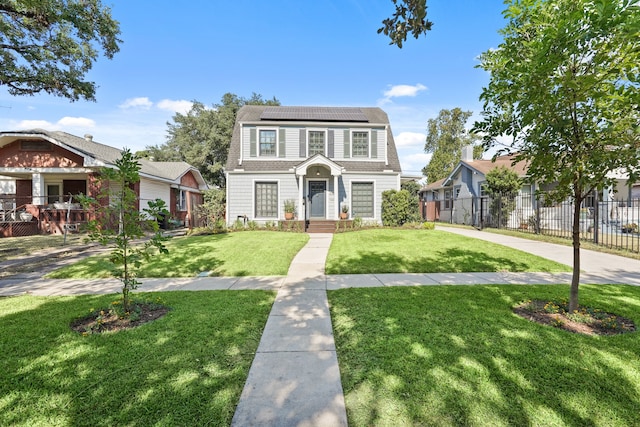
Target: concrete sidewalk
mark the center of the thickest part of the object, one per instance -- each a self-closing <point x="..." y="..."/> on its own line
<point x="295" y="379"/>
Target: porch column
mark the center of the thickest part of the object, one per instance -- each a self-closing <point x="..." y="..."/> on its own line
<point x="301" y="209"/>
<point x="336" y="198"/>
<point x="37" y="189"/>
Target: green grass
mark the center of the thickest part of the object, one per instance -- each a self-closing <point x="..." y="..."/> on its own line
<point x="458" y="356"/>
<point x="426" y="251"/>
<point x="12" y="247"/>
<point x="247" y="253"/>
<point x="187" y="368"/>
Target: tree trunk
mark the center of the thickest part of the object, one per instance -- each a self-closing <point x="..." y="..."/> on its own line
<point x="575" y="278"/>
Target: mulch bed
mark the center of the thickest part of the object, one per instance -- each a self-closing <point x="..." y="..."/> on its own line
<point x="107" y="320"/>
<point x="587" y="321"/>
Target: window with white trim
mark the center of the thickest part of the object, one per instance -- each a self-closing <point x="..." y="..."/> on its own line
<point x="268" y="142"/>
<point x="360" y="144"/>
<point x="362" y="199"/>
<point x="181" y="200"/>
<point x="316" y="142"/>
<point x="266" y="202"/>
<point x="447" y="199"/>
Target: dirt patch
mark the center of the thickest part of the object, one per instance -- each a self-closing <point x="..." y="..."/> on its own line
<point x="585" y="320"/>
<point x="108" y="320"/>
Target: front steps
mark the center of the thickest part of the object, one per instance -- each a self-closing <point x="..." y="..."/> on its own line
<point x="327" y="226"/>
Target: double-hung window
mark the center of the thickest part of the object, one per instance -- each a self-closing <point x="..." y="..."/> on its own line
<point x="181" y="200"/>
<point x="362" y="199"/>
<point x="316" y="142"/>
<point x="447" y="199"/>
<point x="266" y="200"/>
<point x="360" y="144"/>
<point x="268" y="142"/>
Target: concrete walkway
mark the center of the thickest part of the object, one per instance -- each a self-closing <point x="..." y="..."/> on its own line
<point x="294" y="379"/>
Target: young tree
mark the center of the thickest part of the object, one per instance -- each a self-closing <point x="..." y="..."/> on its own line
<point x="119" y="223"/>
<point x="50" y="45"/>
<point x="446" y="136"/>
<point x="565" y="86"/>
<point x="202" y="136"/>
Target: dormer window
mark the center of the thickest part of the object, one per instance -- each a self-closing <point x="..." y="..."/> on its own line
<point x="268" y="143"/>
<point x="316" y="142"/>
<point x="360" y="144"/>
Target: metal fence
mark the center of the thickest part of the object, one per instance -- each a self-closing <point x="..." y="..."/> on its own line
<point x="608" y="223"/>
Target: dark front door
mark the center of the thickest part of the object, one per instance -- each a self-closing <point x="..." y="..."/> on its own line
<point x="317" y="190"/>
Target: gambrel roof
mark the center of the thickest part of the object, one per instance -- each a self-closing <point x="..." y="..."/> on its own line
<point x="314" y="116"/>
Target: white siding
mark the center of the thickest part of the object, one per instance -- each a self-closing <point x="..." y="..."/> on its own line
<point x="151" y="190"/>
<point x="241" y="198"/>
<point x="381" y="183"/>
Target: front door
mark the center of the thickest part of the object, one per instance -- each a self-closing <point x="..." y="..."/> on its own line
<point x="317" y="191"/>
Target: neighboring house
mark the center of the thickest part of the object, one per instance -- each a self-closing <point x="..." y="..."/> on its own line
<point x="456" y="198"/>
<point x="39" y="170"/>
<point x="321" y="158"/>
<point x="460" y="198"/>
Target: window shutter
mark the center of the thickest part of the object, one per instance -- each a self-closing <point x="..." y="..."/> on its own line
<point x="303" y="143"/>
<point x="330" y="144"/>
<point x="283" y="143"/>
<point x="347" y="144"/>
<point x="252" y="143"/>
<point x="374" y="144"/>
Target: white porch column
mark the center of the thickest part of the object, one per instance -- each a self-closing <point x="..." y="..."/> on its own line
<point x="336" y="198"/>
<point x="301" y="207"/>
<point x="37" y="189"/>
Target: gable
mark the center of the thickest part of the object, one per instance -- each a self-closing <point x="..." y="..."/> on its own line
<point x="38" y="153"/>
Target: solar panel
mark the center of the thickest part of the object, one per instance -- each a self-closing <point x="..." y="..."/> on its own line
<point x="316" y="114"/>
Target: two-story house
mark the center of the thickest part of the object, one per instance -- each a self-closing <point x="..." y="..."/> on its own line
<point x="321" y="158"/>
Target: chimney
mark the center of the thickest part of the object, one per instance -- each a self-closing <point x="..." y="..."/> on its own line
<point x="88" y="137"/>
<point x="467" y="153"/>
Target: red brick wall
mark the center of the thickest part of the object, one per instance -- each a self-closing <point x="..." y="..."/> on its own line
<point x="188" y="180"/>
<point x="13" y="157"/>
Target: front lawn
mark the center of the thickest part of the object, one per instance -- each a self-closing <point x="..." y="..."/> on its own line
<point x="187" y="368"/>
<point x="426" y="251"/>
<point x="459" y="356"/>
<point x="247" y="253"/>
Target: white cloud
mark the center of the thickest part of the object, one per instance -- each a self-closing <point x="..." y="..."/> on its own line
<point x="140" y="102"/>
<point x="412" y="163"/>
<point x="177" y="106"/>
<point x="76" y="122"/>
<point x="404" y="90"/>
<point x="410" y="139"/>
<point x="35" y="124"/>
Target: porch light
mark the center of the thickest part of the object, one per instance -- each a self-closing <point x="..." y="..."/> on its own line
<point x="317" y="171"/>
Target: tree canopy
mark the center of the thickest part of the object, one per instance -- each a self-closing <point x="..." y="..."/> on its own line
<point x="565" y="86"/>
<point x="49" y="45"/>
<point x="446" y="136"/>
<point x="202" y="136"/>
<point x="410" y="17"/>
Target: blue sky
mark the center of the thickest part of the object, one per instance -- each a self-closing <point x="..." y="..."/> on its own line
<point x="303" y="52"/>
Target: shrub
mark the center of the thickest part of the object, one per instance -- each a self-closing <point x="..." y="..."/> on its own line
<point x="399" y="207"/>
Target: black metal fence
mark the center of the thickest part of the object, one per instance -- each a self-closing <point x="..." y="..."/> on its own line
<point x="609" y="223"/>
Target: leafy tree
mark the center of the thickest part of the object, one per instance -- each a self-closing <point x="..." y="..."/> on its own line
<point x="119" y="223"/>
<point x="212" y="211"/>
<point x="202" y="136"/>
<point x="565" y="86"/>
<point x="49" y="45"/>
<point x="502" y="185"/>
<point x="399" y="207"/>
<point x="446" y="136"/>
<point x="410" y="17"/>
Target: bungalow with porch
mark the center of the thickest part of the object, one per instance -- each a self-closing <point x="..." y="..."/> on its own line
<point x="41" y="171"/>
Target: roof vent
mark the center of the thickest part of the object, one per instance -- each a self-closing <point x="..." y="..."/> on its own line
<point x="88" y="137"/>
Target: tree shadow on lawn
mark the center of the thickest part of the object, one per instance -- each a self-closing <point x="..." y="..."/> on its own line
<point x="446" y="261"/>
<point x="452" y="356"/>
<point x="183" y="369"/>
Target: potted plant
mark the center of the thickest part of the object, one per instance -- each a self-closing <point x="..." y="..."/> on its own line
<point x="344" y="214"/>
<point x="289" y="209"/>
